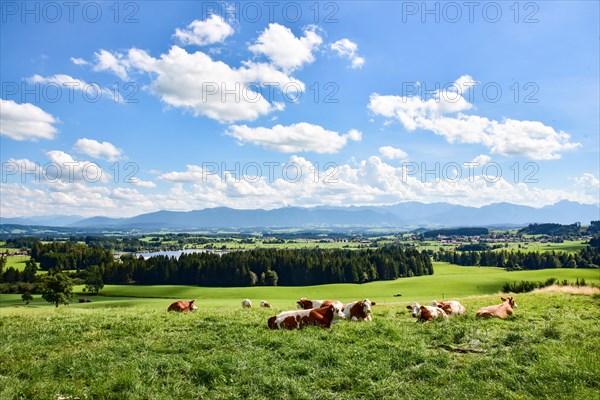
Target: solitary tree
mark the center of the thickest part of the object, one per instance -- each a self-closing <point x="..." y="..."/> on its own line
<point x="57" y="288"/>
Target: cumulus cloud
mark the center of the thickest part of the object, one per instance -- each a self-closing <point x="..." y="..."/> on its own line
<point x="371" y="181"/>
<point x="508" y="137"/>
<point x="285" y="50"/>
<point x="102" y="151"/>
<point x="113" y="62"/>
<point x="392" y="153"/>
<point x="589" y="183"/>
<point x="200" y="33"/>
<point x="68" y="170"/>
<point x="196" y="82"/>
<point x="26" y="121"/>
<point x="205" y="86"/>
<point x="347" y="48"/>
<point x="294" y="138"/>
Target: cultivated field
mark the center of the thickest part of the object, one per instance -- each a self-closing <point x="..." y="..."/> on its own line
<point x="131" y="348"/>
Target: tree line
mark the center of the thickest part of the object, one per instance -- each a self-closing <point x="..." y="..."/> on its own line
<point x="456" y="232"/>
<point x="588" y="257"/>
<point x="267" y="267"/>
<point x="272" y="267"/>
<point x="552" y="229"/>
<point x="69" y="255"/>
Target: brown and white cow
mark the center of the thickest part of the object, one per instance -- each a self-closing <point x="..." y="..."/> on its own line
<point x="499" y="311"/>
<point x="450" y="307"/>
<point x="306" y="304"/>
<point x="426" y="313"/>
<point x="183" y="306"/>
<point x="359" y="310"/>
<point x="246" y="303"/>
<point x="298" y="319"/>
<point x="265" y="304"/>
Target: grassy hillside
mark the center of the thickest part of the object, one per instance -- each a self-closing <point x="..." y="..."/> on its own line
<point x="448" y="281"/>
<point x="548" y="350"/>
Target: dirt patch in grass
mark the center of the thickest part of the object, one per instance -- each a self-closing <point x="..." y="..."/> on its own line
<point x="580" y="290"/>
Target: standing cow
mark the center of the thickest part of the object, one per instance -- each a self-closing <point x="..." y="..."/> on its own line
<point x="181" y="306"/>
<point x="246" y="303"/>
<point x="500" y="311"/>
<point x="298" y="319"/>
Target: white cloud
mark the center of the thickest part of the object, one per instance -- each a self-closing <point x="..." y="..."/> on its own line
<point x="294" y="138"/>
<point x="193" y="173"/>
<point x="68" y="84"/>
<point x="25" y="121"/>
<point x="143" y="184"/>
<point x="347" y="48"/>
<point x="482" y="159"/>
<point x="392" y="153"/>
<point x="368" y="182"/>
<point x="589" y="183"/>
<point x="79" y="61"/>
<point x="68" y="170"/>
<point x="509" y="137"/>
<point x="102" y="151"/>
<point x="355" y="135"/>
<point x="107" y="61"/>
<point x="195" y="82"/>
<point x="212" y="30"/>
<point x="285" y="50"/>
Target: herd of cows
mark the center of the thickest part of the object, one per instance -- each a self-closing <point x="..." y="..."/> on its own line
<point x="325" y="312"/>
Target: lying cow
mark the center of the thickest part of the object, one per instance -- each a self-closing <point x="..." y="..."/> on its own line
<point x="426" y="313"/>
<point x="265" y="304"/>
<point x="246" y="303"/>
<point x="359" y="310"/>
<point x="500" y="311"/>
<point x="450" y="307"/>
<point x="85" y="300"/>
<point x="298" y="319"/>
<point x="308" y="304"/>
<point x="181" y="306"/>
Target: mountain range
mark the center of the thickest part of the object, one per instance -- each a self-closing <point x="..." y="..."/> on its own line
<point x="408" y="214"/>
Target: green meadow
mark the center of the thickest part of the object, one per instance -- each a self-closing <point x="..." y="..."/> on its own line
<point x="448" y="281"/>
<point x="124" y="345"/>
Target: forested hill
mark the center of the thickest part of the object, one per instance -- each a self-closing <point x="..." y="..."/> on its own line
<point x="552" y="229"/>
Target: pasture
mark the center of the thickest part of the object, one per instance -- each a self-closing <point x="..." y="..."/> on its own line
<point x="129" y="347"/>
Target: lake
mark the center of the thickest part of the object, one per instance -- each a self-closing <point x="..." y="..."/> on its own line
<point x="178" y="253"/>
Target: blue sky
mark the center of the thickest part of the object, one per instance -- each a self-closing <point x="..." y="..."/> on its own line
<point x="120" y="110"/>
